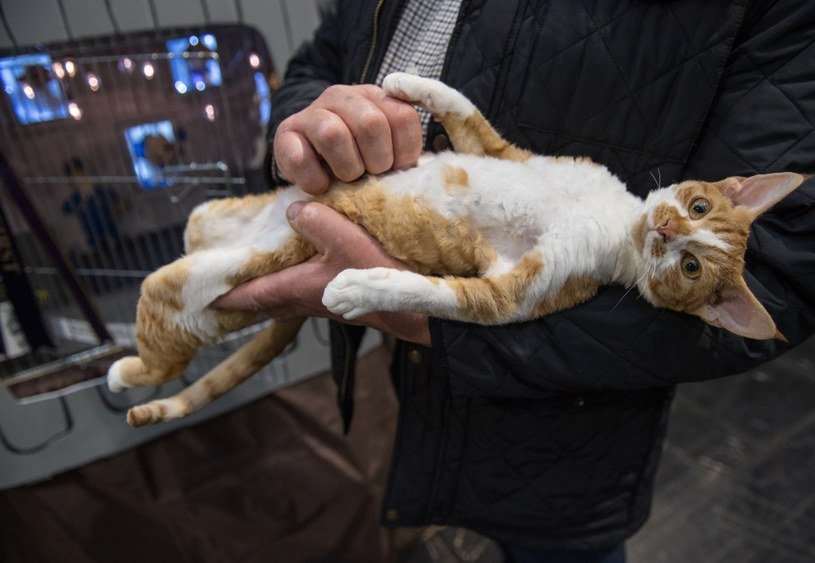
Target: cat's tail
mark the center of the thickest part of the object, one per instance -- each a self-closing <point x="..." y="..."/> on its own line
<point x="242" y="364"/>
<point x="468" y="129"/>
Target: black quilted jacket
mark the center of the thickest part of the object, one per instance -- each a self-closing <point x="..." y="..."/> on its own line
<point x="548" y="433"/>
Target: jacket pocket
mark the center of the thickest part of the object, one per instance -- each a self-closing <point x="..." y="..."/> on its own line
<point x="563" y="470"/>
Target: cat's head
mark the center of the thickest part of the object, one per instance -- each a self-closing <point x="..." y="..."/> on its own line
<point x="692" y="240"/>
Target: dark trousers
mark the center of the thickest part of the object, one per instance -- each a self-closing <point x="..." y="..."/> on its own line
<point x="517" y="554"/>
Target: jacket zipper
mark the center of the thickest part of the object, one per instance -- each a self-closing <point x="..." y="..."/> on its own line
<point x="374" y="39"/>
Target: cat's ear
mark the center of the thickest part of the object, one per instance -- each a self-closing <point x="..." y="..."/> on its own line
<point x="760" y="192"/>
<point x="736" y="309"/>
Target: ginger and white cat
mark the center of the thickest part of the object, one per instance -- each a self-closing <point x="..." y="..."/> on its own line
<point x="495" y="234"/>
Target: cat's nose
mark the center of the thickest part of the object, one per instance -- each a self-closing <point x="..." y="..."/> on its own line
<point x="666" y="230"/>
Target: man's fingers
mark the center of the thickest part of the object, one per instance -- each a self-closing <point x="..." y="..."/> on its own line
<point x="406" y="131"/>
<point x="347" y="131"/>
<point x="333" y="139"/>
<point x="388" y="131"/>
<point x="371" y="130"/>
<point x="247" y="296"/>
<point x="273" y="292"/>
<point x="299" y="163"/>
<point x="359" y="107"/>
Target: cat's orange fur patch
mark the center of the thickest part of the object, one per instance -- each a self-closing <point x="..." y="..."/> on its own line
<point x="497" y="299"/>
<point x="576" y="290"/>
<point x="474" y="135"/>
<point x="145" y="414"/>
<point x="455" y="178"/>
<point x="412" y="231"/>
<point x="254" y="355"/>
<point x="638" y="233"/>
<point x="166" y="356"/>
<point x="165" y="285"/>
<point x="194" y="238"/>
<point x="294" y="251"/>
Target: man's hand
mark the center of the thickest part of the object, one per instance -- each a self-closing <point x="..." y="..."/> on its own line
<point x="346" y="132"/>
<point x="297" y="291"/>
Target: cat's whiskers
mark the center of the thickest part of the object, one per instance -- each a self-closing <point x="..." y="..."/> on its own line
<point x="635" y="284"/>
<point x="658" y="182"/>
<point x="650" y="274"/>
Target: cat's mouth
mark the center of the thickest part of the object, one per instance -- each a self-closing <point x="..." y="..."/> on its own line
<point x="656" y="246"/>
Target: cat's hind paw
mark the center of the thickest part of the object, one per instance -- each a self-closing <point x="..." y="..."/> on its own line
<point x="438" y="98"/>
<point x="114" y="377"/>
<point x="160" y="410"/>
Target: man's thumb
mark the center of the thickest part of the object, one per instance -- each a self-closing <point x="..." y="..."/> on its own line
<point x="293" y="210"/>
<point x="322" y="226"/>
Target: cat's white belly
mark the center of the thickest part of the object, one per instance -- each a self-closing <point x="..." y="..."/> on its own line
<point x="577" y="214"/>
<point x="269" y="228"/>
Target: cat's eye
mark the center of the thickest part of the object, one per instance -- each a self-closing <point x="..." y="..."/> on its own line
<point x="691" y="266"/>
<point x="699" y="207"/>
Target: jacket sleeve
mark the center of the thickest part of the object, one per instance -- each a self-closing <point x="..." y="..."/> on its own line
<point x="761" y="121"/>
<point x="315" y="66"/>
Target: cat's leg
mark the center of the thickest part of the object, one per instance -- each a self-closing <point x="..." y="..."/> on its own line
<point x="469" y="131"/>
<point x="235" y="369"/>
<point x="172" y="323"/>
<point x="497" y="297"/>
<point x="173" y="320"/>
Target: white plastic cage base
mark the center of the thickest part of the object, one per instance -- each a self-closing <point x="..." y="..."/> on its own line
<point x="47" y="434"/>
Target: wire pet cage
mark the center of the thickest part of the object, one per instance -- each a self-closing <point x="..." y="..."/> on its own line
<point x="107" y="144"/>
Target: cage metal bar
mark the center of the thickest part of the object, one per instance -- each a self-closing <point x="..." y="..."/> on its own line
<point x="47" y="240"/>
<point x="130" y="180"/>
<point x="213" y="156"/>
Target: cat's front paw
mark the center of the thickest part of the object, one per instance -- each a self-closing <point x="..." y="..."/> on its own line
<point x="351" y="294"/>
<point x="438" y="98"/>
<point x="404" y="86"/>
<point x="354" y="293"/>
